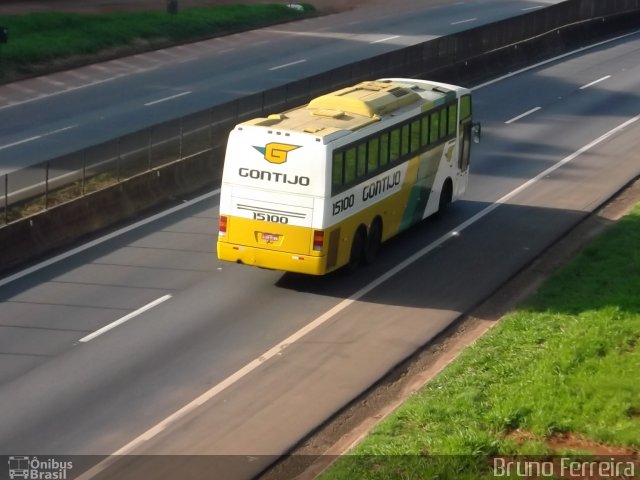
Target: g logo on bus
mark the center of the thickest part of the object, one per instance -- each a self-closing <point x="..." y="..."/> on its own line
<point x="276" y="152"/>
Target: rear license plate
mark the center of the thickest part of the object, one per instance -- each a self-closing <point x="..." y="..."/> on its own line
<point x="270" y="237"/>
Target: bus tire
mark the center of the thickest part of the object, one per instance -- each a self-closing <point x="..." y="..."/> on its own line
<point x="446" y="195"/>
<point x="357" y="250"/>
<point x="374" y="239"/>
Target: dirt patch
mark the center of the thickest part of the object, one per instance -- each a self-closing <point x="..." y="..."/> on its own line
<point x="559" y="442"/>
<point x="349" y="426"/>
<point x="571" y="441"/>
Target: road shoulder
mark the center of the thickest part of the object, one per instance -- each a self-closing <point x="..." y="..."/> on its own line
<point x="347" y="428"/>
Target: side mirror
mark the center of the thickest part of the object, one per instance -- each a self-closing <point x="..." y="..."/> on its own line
<point x="476" y="132"/>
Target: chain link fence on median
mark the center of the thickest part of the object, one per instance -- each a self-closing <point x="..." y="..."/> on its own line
<point x="41" y="186"/>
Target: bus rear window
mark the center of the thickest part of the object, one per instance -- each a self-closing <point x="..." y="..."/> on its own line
<point x="350" y="165"/>
<point x="395" y="144"/>
<point x="465" y="107"/>
<point x="337" y="169"/>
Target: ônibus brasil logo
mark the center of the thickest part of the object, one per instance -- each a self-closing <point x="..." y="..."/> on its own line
<point x="276" y="152"/>
<point x="34" y="468"/>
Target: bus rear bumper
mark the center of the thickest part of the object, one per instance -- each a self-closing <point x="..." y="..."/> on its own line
<point x="261" y="257"/>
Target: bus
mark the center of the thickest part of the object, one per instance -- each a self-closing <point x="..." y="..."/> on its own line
<point x="321" y="186"/>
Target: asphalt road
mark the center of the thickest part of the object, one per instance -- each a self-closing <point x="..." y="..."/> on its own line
<point x="49" y="116"/>
<point x="232" y="360"/>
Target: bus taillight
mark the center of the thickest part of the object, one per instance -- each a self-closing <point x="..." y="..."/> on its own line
<point x="318" y="240"/>
<point x="222" y="226"/>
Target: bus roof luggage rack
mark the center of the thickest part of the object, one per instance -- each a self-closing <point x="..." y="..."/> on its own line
<point x="367" y="99"/>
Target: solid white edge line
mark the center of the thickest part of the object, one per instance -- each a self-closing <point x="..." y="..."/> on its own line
<point x="288" y="64"/>
<point x="606" y="77"/>
<point x="124" y="319"/>
<point x="105" y="238"/>
<point x="522" y="115"/>
<point x="182" y="94"/>
<point x="329" y="314"/>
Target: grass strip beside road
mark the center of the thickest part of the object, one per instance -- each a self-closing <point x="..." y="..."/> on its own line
<point x="558" y="376"/>
<point x="41" y="38"/>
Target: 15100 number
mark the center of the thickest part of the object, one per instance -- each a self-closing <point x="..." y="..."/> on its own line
<point x="268" y="217"/>
<point x="344" y="204"/>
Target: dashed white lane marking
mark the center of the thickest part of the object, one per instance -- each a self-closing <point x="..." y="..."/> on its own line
<point x="288" y="64"/>
<point x="125" y="65"/>
<point x="532" y="8"/>
<point x="50" y="81"/>
<point x="466" y="20"/>
<point x="36" y="137"/>
<point x="21" y="88"/>
<point x="386" y="39"/>
<point x="522" y="115"/>
<point x="182" y="94"/>
<point x="100" y="68"/>
<point x="606" y="77"/>
<point x="165" y="53"/>
<point x="77" y="75"/>
<point x="186" y="59"/>
<point x="124" y="319"/>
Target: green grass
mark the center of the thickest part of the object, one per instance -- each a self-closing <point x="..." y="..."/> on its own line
<point x="565" y="363"/>
<point x="38" y="38"/>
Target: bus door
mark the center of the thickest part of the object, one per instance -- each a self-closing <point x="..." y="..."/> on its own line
<point x="466" y="133"/>
<point x="464" y="157"/>
<point x="465" y="150"/>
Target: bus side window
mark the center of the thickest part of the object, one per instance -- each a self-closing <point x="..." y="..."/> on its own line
<point x="362" y="159"/>
<point x="453" y="120"/>
<point x="372" y="159"/>
<point x="350" y="165"/>
<point x="337" y="173"/>
<point x="424" y="138"/>
<point x="405" y="139"/>
<point x="415" y="135"/>
<point x="443" y="123"/>
<point x="384" y="149"/>
<point x="395" y="144"/>
<point x="435" y="128"/>
<point x="465" y="107"/>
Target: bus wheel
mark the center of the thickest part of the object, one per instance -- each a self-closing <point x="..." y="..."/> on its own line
<point x="357" y="250"/>
<point x="445" y="196"/>
<point x="373" y="240"/>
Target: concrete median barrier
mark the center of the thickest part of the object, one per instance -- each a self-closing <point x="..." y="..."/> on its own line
<point x="63" y="224"/>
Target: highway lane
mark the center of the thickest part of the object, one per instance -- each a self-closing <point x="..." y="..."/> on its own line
<point x="99" y="396"/>
<point x="49" y="116"/>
